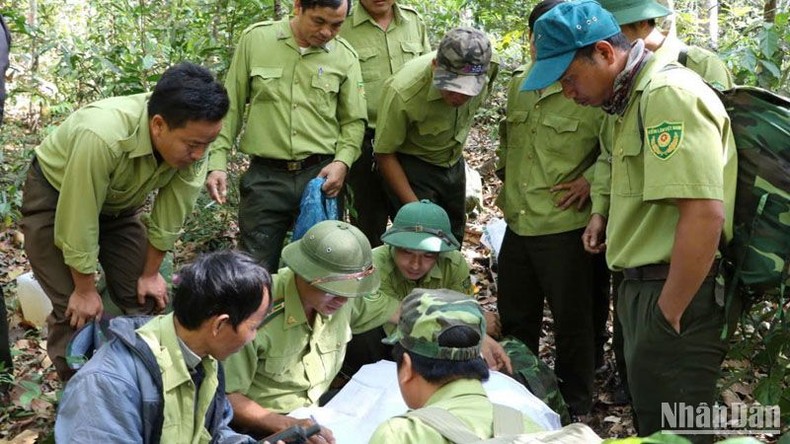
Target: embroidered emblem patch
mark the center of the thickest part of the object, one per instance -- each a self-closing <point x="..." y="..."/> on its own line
<point x="664" y="139"/>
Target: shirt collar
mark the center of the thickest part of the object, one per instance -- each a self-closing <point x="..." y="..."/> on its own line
<point x="139" y="143"/>
<point x="294" y="310"/>
<point x="361" y="15"/>
<point x="284" y="32"/>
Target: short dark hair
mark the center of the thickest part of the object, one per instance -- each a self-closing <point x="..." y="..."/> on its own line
<point x="442" y="371"/>
<point x="188" y="92"/>
<point x="540" y="9"/>
<point x="619" y="41"/>
<point x="225" y="282"/>
<point x="334" y="4"/>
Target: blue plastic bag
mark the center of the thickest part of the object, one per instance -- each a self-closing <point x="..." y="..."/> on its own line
<point x="315" y="207"/>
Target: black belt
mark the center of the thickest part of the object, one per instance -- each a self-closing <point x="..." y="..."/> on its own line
<point x="292" y="165"/>
<point x="659" y="272"/>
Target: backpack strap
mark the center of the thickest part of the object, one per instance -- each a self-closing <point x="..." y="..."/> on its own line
<point x="507" y="421"/>
<point x="444" y="422"/>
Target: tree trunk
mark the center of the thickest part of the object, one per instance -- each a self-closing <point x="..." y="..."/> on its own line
<point x="769" y="11"/>
<point x="278" y="9"/>
<point x="713" y="22"/>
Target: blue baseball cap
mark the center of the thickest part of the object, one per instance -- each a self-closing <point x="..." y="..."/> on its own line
<point x="560" y="32"/>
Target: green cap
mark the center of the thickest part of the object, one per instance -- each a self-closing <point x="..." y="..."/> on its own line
<point x="462" y="61"/>
<point x="422" y="226"/>
<point x="562" y="31"/>
<point x="632" y="11"/>
<point x="427" y="314"/>
<point x="335" y="257"/>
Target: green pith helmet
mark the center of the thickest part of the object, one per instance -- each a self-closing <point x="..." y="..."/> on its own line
<point x="335" y="257"/>
<point x="422" y="226"/>
<point x="632" y="11"/>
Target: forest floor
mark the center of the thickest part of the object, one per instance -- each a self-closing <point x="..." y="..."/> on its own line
<point x="28" y="406"/>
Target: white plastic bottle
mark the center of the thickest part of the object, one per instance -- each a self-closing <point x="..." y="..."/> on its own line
<point x="35" y="304"/>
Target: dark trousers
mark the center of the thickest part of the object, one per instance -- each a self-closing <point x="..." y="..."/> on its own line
<point x="445" y="187"/>
<point x="617" y="334"/>
<point x="554" y="268"/>
<point x="5" y="343"/>
<point x="268" y="207"/>
<point x="601" y="306"/>
<point x="365" y="348"/>
<point x="371" y="208"/>
<point x="665" y="366"/>
<point x="122" y="249"/>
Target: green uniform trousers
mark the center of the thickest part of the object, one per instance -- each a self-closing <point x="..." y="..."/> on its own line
<point x="554" y="268"/>
<point x="443" y="186"/>
<point x="122" y="249"/>
<point x="269" y="205"/>
<point x="370" y="200"/>
<point x="665" y="366"/>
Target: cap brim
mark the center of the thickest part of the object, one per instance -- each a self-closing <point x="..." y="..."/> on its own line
<point x="547" y="71"/>
<point x="449" y="81"/>
<point x="418" y="241"/>
<point x="309" y="271"/>
<point x="639" y="13"/>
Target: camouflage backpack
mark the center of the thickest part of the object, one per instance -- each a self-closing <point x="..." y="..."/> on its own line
<point x="760" y="249"/>
<point x="759" y="253"/>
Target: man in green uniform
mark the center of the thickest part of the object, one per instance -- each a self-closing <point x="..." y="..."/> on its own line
<point x="88" y="183"/>
<point x="419" y="252"/>
<point x="637" y="19"/>
<point x="306" y="119"/>
<point x="385" y="35"/>
<point x="424" y="118"/>
<point x="159" y="379"/>
<point x="548" y="148"/>
<point x="300" y="348"/>
<point x="672" y="196"/>
<point x="437" y="348"/>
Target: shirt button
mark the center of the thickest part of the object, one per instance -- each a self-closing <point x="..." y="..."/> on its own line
<point x="537" y="106"/>
<point x="294" y="133"/>
<point x="522" y="212"/>
<point x="294" y="106"/>
<point x="621" y="151"/>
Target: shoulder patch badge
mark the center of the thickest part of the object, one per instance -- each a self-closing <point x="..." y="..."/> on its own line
<point x="664" y="139"/>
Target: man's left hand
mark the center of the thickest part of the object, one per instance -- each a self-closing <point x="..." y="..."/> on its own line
<point x="152" y="287"/>
<point x="335" y="174"/>
<point x="577" y="190"/>
<point x="495" y="355"/>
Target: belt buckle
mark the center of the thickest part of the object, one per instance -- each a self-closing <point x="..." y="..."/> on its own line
<point x="293" y="165"/>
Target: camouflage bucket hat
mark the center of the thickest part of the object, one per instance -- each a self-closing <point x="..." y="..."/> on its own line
<point x="427" y="314"/>
<point x="462" y="61"/>
<point x="335" y="257"/>
<point x="422" y="226"/>
<point x="632" y="11"/>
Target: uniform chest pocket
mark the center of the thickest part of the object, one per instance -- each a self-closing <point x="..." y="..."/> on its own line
<point x="331" y="347"/>
<point x="628" y="165"/>
<point x="435" y="127"/>
<point x="283" y="368"/>
<point x="557" y="132"/>
<point x="368" y="62"/>
<point x="264" y="83"/>
<point x="325" y="89"/>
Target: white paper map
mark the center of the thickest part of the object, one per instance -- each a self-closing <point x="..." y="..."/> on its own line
<point x="372" y="396"/>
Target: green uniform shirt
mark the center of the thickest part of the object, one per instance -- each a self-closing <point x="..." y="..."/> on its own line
<point x="414" y="120"/>
<point x="299" y="104"/>
<point x="705" y="63"/>
<point x="101" y="161"/>
<point x="382" y="53"/>
<point x="548" y="140"/>
<point x="185" y="414"/>
<point x="688" y="152"/>
<point x="464" y="398"/>
<point x="290" y="363"/>
<point x="450" y="271"/>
